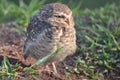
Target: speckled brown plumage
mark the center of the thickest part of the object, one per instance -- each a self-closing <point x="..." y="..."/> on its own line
<point x="51" y="28"/>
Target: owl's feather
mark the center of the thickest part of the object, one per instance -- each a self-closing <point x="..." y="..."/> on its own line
<point x="38" y="34"/>
<point x="47" y="31"/>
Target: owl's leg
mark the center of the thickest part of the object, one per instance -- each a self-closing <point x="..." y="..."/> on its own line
<point x="54" y="67"/>
<point x="48" y="68"/>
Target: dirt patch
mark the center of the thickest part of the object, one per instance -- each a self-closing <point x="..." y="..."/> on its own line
<point x="11" y="45"/>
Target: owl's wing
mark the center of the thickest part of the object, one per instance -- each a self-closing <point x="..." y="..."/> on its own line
<point x="35" y="28"/>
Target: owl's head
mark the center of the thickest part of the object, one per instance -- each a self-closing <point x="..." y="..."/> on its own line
<point x="56" y="14"/>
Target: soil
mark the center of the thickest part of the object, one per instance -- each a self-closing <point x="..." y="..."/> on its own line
<point x="11" y="46"/>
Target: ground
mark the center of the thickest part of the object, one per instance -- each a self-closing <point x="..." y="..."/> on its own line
<point x="11" y="45"/>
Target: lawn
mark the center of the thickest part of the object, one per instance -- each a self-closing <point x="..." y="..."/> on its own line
<point x="98" y="43"/>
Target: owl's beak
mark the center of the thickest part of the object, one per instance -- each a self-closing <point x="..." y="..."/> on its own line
<point x="67" y="21"/>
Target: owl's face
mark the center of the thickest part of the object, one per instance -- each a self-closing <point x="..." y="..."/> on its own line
<point x="56" y="14"/>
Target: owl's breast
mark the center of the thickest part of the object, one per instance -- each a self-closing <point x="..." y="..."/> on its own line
<point x="66" y="40"/>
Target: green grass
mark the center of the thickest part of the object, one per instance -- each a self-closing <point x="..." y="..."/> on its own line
<point x="99" y="42"/>
<point x="19" y="13"/>
<point x="98" y="38"/>
<point x="7" y="71"/>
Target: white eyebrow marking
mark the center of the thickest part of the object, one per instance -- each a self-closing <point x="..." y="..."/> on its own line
<point x="62" y="13"/>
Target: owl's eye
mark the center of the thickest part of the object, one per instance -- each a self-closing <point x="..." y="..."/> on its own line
<point x="60" y="16"/>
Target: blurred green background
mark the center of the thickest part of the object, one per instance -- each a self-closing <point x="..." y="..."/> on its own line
<point x="21" y="10"/>
<point x="84" y="3"/>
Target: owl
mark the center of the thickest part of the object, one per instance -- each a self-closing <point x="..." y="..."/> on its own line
<point x="51" y="28"/>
